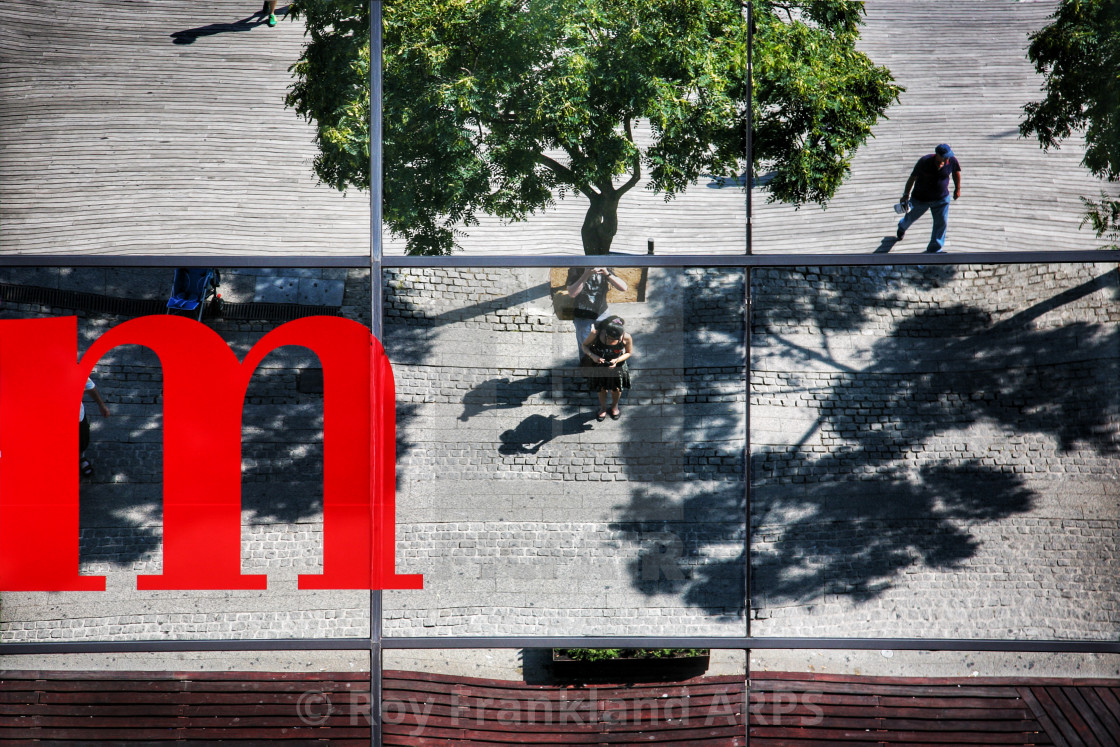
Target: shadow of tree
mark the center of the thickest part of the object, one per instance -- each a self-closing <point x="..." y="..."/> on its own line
<point x="688" y="520"/>
<point x="282" y="431"/>
<point x="849" y="518"/>
<point x="853" y="538"/>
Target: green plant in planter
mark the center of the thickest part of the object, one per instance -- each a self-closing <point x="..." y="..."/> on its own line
<point x="610" y="654"/>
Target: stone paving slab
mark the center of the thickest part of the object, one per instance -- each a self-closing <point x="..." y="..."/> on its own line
<point x="835" y="513"/>
<point x="121" y="518"/>
<point x="905" y="532"/>
<point x="543" y="501"/>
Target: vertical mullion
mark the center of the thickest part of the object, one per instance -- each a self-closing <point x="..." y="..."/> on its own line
<point x="747" y="460"/>
<point x="377" y="327"/>
<point x="750" y="123"/>
<point x="747" y="478"/>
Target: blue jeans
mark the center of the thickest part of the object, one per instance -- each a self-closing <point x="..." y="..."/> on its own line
<point x="583" y="329"/>
<point x="940" y="212"/>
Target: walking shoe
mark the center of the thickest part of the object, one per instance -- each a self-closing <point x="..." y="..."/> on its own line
<point x="900" y="233"/>
<point x="271" y="19"/>
<point x="935" y="251"/>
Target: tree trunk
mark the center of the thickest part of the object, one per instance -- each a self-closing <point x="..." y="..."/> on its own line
<point x="600" y="224"/>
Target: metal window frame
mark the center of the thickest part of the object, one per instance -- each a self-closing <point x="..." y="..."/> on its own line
<point x="364" y="262"/>
<point x="376" y="643"/>
<point x="376" y="262"/>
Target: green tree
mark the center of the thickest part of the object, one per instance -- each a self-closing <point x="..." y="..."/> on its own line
<point x="503" y="106"/>
<point x="1079" y="55"/>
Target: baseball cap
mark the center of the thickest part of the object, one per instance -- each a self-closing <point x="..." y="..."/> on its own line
<point x="944" y="151"/>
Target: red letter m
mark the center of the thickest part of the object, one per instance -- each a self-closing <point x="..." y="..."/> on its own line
<point x="203" y="393"/>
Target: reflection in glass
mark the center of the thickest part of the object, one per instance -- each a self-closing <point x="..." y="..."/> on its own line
<point x="525" y="513"/>
<point x="934" y="451"/>
<point x="121" y="507"/>
<point x="571" y="140"/>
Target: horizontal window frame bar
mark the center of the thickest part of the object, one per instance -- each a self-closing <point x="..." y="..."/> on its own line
<point x="485" y="642"/>
<point x="761" y="260"/>
<point x="354" y="262"/>
<point x="559" y="260"/>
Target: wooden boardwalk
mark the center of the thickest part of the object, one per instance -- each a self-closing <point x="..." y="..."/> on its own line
<point x="782" y="708"/>
<point x="146" y="127"/>
<point x="142" y="127"/>
<point x="805" y="710"/>
<point x="963" y="64"/>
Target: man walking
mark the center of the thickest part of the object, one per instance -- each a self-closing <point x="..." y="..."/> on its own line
<point x="930" y="184"/>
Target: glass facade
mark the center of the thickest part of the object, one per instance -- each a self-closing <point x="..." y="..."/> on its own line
<point x="831" y="465"/>
<point x="512" y="491"/>
<point x="934" y="451"/>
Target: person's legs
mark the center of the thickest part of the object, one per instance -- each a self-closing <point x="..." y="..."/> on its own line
<point x="602" y="404"/>
<point x="917" y="210"/>
<point x="271" y="7"/>
<point x="84" y="465"/>
<point x="616" y="395"/>
<point x="940" y="213"/>
<point x="583" y="329"/>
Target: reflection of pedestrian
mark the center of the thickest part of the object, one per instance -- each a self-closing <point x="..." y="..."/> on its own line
<point x="930" y="182"/>
<point x="588" y="288"/>
<point x="269" y="9"/>
<point x="605" y="351"/>
<point x="84" y="465"/>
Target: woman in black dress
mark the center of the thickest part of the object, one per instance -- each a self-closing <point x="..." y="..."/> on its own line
<point x="604" y="361"/>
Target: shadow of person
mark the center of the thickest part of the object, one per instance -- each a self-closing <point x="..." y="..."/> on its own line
<point x="188" y="36"/>
<point x="502" y="394"/>
<point x="886" y="245"/>
<point x="536" y="430"/>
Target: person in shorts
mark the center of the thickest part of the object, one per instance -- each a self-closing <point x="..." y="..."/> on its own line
<point x="85" y="467"/>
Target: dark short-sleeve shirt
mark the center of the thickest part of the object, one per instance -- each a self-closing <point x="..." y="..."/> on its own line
<point x="931" y="184"/>
<point x="592" y="300"/>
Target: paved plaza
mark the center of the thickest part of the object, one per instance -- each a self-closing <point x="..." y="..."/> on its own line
<point x="936" y="450"/>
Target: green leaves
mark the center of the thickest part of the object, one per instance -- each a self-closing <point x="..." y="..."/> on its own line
<point x="1079" y="55"/>
<point x="499" y="106"/>
<point x="817" y="99"/>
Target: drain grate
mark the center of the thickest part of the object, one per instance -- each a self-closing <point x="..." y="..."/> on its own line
<point x="99" y="304"/>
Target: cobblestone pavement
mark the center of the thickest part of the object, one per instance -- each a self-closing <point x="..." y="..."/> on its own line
<point x="121" y="525"/>
<point x="937" y="453"/>
<point x="525" y="514"/>
<point x="934" y="453"/>
<point x="929" y="445"/>
<point x="933" y="449"/>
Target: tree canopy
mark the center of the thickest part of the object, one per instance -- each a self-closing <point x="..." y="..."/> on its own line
<point x="503" y="106"/>
<point x="1079" y="55"/>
